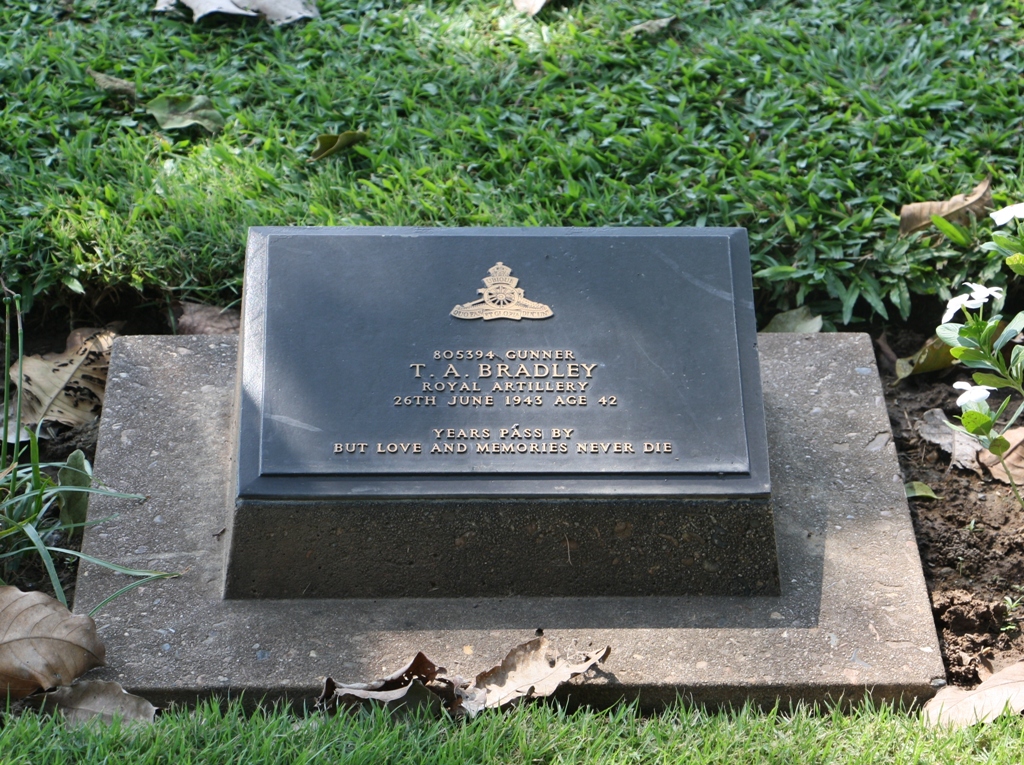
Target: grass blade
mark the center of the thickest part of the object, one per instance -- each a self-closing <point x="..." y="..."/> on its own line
<point x="96" y="609"/>
<point x="44" y="553"/>
<point x="113" y="566"/>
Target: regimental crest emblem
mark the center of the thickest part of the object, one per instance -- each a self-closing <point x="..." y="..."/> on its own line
<point x="501" y="299"/>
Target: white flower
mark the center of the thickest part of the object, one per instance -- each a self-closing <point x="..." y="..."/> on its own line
<point x="974" y="394"/>
<point x="978" y="297"/>
<point x="1004" y="216"/>
<point x="982" y="293"/>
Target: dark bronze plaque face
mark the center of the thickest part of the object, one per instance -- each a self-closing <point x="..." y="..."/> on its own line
<point x="529" y="361"/>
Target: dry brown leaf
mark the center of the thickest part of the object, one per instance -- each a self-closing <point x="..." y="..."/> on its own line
<point x="650" y="27"/>
<point x="277" y="11"/>
<point x="957" y="708"/>
<point x="918" y="215"/>
<point x="67" y="387"/>
<point x="112" y="84"/>
<point x="919" y="490"/>
<point x="331" y="143"/>
<point x="529" y="670"/>
<point x="97" y="699"/>
<point x="532" y="669"/>
<point x="798" y="320"/>
<point x="1014" y="458"/>
<point x="530" y="7"/>
<point x="173" y="112"/>
<point x="962" y="448"/>
<point x="199" y="319"/>
<point x="42" y="644"/>
<point x="930" y="357"/>
<point x="415" y="695"/>
<point x="405" y="688"/>
<point x="280" y="12"/>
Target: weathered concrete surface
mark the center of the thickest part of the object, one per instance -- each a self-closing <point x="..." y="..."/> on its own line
<point x="853" y="614"/>
<point x="439" y="548"/>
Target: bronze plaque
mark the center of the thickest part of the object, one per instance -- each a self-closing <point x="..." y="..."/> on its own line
<point x="397" y="362"/>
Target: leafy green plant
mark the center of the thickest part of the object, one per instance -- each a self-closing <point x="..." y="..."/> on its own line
<point x="42" y="504"/>
<point x="1013" y="616"/>
<point x="978" y="343"/>
<point x="1010" y="248"/>
<point x="957" y="234"/>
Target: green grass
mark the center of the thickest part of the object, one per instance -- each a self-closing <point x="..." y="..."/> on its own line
<point x="531" y="735"/>
<point x="809" y="123"/>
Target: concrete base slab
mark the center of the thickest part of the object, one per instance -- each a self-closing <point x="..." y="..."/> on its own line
<point x="853" y="616"/>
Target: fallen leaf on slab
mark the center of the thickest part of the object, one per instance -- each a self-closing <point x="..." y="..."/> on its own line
<point x="414" y="696"/>
<point x="917" y="489"/>
<point x="405" y="688"/>
<point x="1014" y="458"/>
<point x="202" y="8"/>
<point x="798" y="320"/>
<point x="112" y="84"/>
<point x="97" y="700"/>
<point x="532" y="669"/>
<point x="199" y="319"/>
<point x="529" y="670"/>
<point x="930" y="357"/>
<point x="957" y="708"/>
<point x="67" y="387"/>
<point x="277" y="12"/>
<point x="172" y="112"/>
<point x="1004" y="216"/>
<point x="42" y="645"/>
<point x="653" y="26"/>
<point x="918" y="215"/>
<point x="962" y="448"/>
<point x="470" y="700"/>
<point x="531" y="7"/>
<point x="327" y="144"/>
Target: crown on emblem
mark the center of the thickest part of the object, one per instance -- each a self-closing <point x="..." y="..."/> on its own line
<point x="501" y="299"/>
<point x="500" y="274"/>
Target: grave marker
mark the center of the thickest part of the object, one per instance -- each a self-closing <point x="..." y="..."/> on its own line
<point x="490" y="412"/>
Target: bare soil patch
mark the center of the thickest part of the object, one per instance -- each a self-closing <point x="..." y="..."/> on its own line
<point x="971" y="539"/>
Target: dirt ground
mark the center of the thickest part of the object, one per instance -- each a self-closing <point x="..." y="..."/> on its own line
<point x="971" y="539"/>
